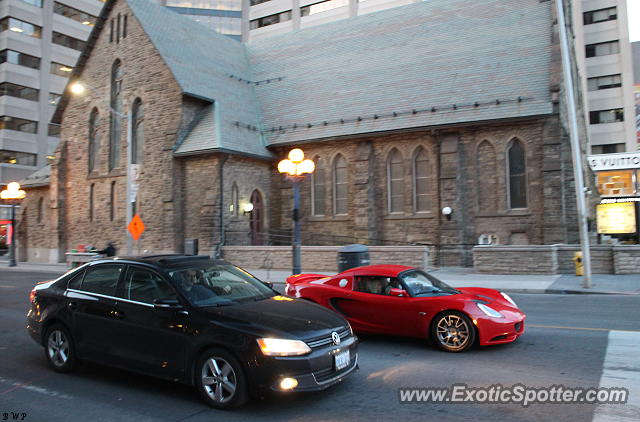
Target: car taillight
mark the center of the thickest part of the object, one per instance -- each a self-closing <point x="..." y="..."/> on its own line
<point x="32" y="295"/>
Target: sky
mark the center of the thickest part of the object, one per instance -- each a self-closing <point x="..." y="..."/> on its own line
<point x="633" y="11"/>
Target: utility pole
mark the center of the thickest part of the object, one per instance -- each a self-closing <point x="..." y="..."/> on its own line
<point x="576" y="150"/>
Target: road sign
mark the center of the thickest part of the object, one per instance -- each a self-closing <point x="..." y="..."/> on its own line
<point x="136" y="227"/>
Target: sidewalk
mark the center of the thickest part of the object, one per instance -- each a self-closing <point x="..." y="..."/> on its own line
<point x="454" y="276"/>
<point x="465" y="277"/>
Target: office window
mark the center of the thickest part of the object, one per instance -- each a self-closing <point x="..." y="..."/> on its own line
<point x="601" y="15"/>
<point x="36" y="3"/>
<point x="602" y="49"/>
<point x="608" y="148"/>
<point x="209" y="4"/>
<point x="18" y="91"/>
<point x="67" y="41"/>
<point x="517" y="171"/>
<point x="606" y="116"/>
<point x="421" y="181"/>
<point x="395" y="182"/>
<point x="54" y="99"/>
<point x="137" y="139"/>
<point x="318" y="189"/>
<point x="116" y="121"/>
<point x="604" y="82"/>
<point x="270" y="20"/>
<point x="20" y="27"/>
<point x="20" y="158"/>
<point x="254" y="2"/>
<point x="60" y="69"/>
<point x="22" y="59"/>
<point x="21" y="125"/>
<point x="322" y="6"/>
<point x="53" y="130"/>
<point x="94" y="138"/>
<point x="340" y="189"/>
<point x="75" y="14"/>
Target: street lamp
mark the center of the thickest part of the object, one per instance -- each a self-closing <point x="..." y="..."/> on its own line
<point x="296" y="167"/>
<point x="12" y="194"/>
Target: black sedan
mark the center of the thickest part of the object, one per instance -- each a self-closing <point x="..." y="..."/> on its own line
<point x="191" y="319"/>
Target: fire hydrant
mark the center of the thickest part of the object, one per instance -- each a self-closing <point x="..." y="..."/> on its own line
<point x="577" y="260"/>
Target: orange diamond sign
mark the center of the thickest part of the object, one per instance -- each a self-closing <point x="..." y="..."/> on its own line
<point x="136" y="227"/>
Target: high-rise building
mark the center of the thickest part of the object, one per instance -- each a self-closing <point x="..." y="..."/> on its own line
<point x="269" y="17"/>
<point x="41" y="41"/>
<point x="605" y="64"/>
<point x="223" y="16"/>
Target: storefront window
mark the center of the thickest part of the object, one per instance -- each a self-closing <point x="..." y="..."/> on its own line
<point x="617" y="183"/>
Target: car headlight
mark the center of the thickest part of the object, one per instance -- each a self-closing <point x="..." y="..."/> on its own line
<point x="283" y="347"/>
<point x="489" y="311"/>
<point x="508" y="298"/>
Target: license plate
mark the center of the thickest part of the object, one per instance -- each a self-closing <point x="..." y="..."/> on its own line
<point x="341" y="360"/>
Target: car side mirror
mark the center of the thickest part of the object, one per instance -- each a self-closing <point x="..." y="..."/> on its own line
<point x="167" y="303"/>
<point x="398" y="292"/>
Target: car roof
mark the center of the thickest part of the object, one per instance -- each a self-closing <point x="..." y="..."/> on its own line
<point x="163" y="261"/>
<point x="381" y="270"/>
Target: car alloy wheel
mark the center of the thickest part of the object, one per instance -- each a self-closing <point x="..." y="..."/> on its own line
<point x="220" y="379"/>
<point x="59" y="349"/>
<point x="453" y="331"/>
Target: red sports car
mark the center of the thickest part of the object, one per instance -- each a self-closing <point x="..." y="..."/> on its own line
<point x="405" y="301"/>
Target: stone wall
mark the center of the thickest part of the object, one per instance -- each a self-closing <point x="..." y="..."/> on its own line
<point x="555" y="259"/>
<point x="323" y="258"/>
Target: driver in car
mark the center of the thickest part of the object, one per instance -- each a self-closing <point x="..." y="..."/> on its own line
<point x="193" y="289"/>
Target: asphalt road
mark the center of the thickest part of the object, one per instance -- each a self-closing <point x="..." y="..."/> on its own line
<point x="565" y="343"/>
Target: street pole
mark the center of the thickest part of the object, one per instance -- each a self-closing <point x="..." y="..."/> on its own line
<point x="12" y="250"/>
<point x="129" y="207"/>
<point x="296" y="225"/>
<point x="576" y="151"/>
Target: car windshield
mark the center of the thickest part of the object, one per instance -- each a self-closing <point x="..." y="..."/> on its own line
<point x="422" y="284"/>
<point x="219" y="285"/>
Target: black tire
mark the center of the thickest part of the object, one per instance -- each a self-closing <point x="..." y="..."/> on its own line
<point x="452" y="331"/>
<point x="214" y="385"/>
<point x="59" y="349"/>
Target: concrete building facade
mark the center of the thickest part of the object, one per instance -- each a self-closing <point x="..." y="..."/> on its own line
<point x="401" y="119"/>
<point x="606" y="66"/>
<point x="41" y="42"/>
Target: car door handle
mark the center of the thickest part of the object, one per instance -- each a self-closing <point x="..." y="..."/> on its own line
<point x="118" y="314"/>
<point x="72" y="306"/>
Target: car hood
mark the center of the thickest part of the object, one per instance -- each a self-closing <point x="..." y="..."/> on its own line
<point x="487" y="296"/>
<point x="280" y="316"/>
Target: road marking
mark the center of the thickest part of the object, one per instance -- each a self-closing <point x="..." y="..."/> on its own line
<point x="15" y="385"/>
<point x="563" y="327"/>
<point x="621" y="368"/>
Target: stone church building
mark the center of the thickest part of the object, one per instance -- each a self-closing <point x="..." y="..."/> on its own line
<point x="445" y="103"/>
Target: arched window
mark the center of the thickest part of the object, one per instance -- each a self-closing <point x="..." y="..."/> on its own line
<point x="421" y="181"/>
<point x="112" y="201"/>
<point x="40" y="209"/>
<point x="91" y="198"/>
<point x="233" y="208"/>
<point x="116" y="109"/>
<point x="517" y="171"/>
<point x="137" y="138"/>
<point x="340" y="185"/>
<point x="318" y="189"/>
<point x="487" y="177"/>
<point x="395" y="182"/>
<point x="94" y="138"/>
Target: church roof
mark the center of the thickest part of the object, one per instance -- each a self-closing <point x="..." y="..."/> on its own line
<point x="427" y="64"/>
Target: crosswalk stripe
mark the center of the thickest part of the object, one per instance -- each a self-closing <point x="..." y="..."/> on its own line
<point x="621" y="369"/>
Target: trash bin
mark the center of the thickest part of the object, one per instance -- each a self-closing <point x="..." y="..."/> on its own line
<point x="352" y="256"/>
<point x="191" y="247"/>
<point x="577" y="259"/>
